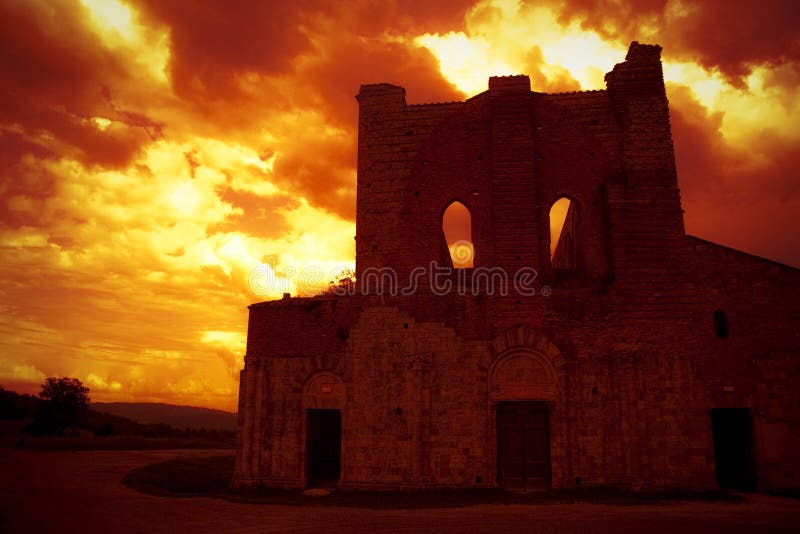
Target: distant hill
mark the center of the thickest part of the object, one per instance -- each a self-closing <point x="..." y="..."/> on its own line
<point x="182" y="417"/>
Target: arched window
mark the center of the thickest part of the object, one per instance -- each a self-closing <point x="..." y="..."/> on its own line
<point x="457" y="229"/>
<point x="564" y="239"/>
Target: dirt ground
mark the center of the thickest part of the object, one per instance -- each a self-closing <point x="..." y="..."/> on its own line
<point x="82" y="492"/>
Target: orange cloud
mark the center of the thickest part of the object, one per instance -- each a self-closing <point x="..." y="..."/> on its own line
<point x="729" y="35"/>
<point x="154" y="155"/>
<point x="744" y="198"/>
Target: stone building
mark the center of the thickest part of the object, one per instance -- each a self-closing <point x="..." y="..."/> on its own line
<point x="629" y="355"/>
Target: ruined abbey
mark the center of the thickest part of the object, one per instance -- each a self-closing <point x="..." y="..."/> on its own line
<point x="630" y="354"/>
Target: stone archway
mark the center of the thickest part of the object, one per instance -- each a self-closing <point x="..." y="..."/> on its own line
<point x="523" y="390"/>
<point x="324" y="390"/>
<point x="522" y="374"/>
<point x="522" y="386"/>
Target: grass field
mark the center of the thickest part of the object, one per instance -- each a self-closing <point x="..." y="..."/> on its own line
<point x="188" y="476"/>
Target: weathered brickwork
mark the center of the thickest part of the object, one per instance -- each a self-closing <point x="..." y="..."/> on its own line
<point x="757" y="365"/>
<point x="622" y="351"/>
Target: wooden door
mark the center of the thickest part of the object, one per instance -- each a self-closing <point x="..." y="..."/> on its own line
<point x="523" y="445"/>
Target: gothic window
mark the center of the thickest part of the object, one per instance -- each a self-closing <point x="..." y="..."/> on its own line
<point x="564" y="235"/>
<point x="457" y="230"/>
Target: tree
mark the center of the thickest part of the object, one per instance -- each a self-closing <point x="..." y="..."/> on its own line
<point x="65" y="402"/>
<point x="343" y="283"/>
<point x="69" y="393"/>
<point x="14" y="405"/>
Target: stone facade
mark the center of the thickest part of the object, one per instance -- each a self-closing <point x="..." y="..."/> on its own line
<point x="622" y="352"/>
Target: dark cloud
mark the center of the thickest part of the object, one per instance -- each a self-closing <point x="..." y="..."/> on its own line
<point x="48" y="51"/>
<point x="278" y="79"/>
<point x="214" y="41"/>
<point x="400" y="17"/>
<point x="53" y="78"/>
<point x="241" y="66"/>
<point x="14" y="145"/>
<point x="373" y="60"/>
<point x="259" y="217"/>
<point x="74" y="134"/>
<point x="734" y="35"/>
<point x="748" y="200"/>
<point x="729" y="35"/>
<point x="327" y="79"/>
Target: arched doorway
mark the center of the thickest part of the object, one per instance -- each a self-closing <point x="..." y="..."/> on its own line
<point x="522" y="388"/>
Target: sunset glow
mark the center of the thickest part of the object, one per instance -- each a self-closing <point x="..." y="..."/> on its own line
<point x="155" y="154"/>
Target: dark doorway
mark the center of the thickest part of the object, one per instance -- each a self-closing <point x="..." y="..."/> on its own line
<point x="732" y="432"/>
<point x="324" y="447"/>
<point x="523" y="445"/>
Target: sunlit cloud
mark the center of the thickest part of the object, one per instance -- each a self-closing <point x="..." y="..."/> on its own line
<point x="506" y="37"/>
<point x="164" y="168"/>
<point x="119" y="28"/>
<point x="465" y="61"/>
<point x="96" y="382"/>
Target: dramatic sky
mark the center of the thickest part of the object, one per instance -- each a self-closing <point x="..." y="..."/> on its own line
<point x="154" y="152"/>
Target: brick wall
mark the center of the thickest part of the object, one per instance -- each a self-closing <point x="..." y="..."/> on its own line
<point x="624" y="347"/>
<point x="756" y="366"/>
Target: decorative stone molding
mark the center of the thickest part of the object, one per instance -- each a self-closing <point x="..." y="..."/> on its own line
<point x="324" y="390"/>
<point x="529" y="338"/>
<point x="522" y="374"/>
